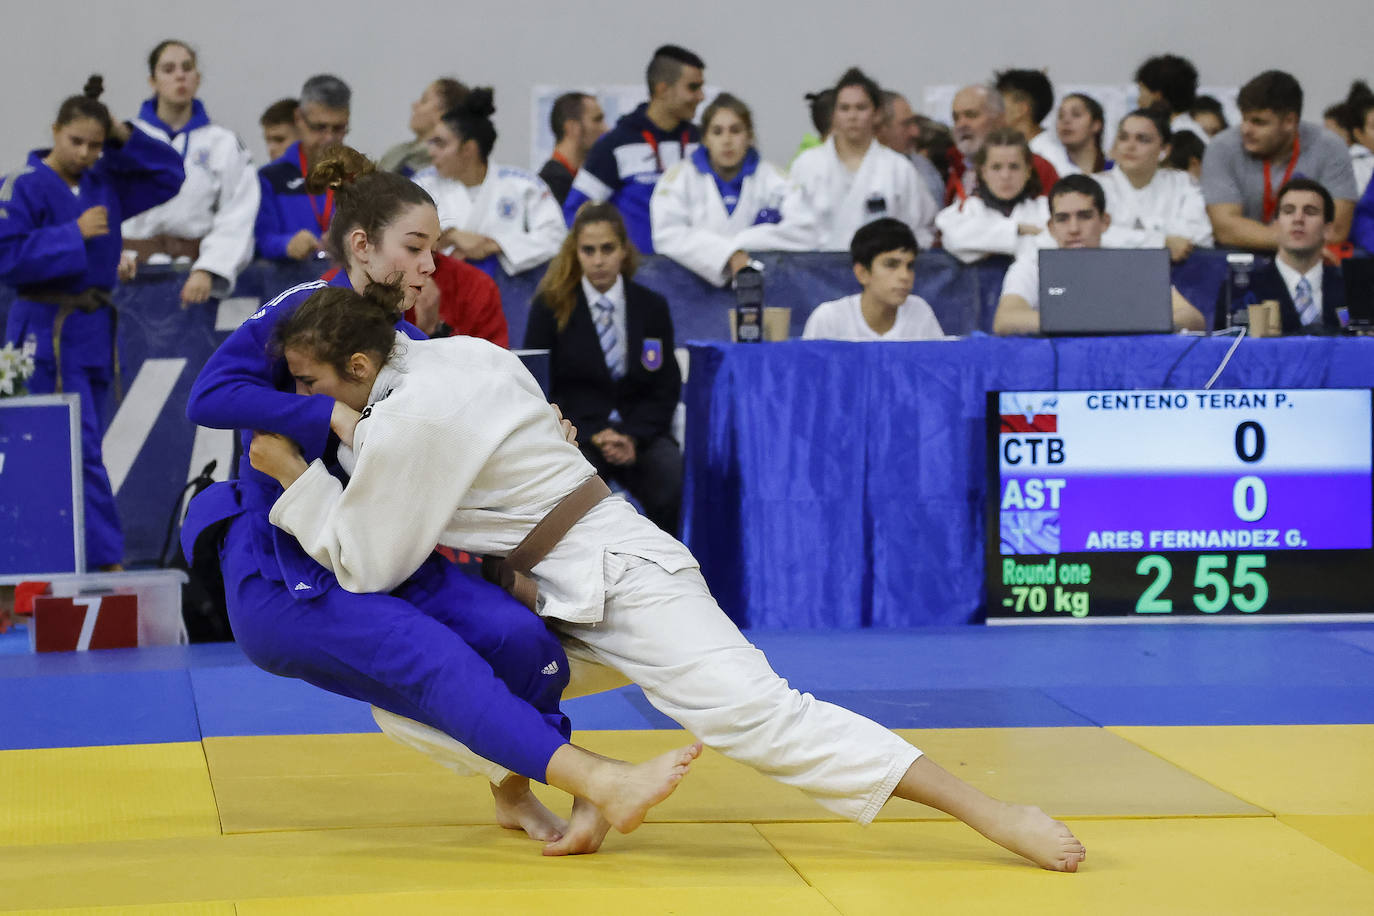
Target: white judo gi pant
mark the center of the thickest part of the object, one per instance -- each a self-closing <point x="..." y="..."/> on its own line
<point x="664" y="632"/>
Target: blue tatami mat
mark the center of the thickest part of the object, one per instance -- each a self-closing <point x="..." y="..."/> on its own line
<point x="1211" y="704"/>
<point x="937" y="678"/>
<point x="79" y="710"/>
<point x="244" y="700"/>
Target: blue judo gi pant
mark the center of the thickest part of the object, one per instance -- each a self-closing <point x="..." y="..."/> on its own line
<point x="444" y="648"/>
<point x="87" y="371"/>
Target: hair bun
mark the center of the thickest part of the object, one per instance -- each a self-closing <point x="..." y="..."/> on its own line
<point x="94" y="87"/>
<point x="339" y="167"/>
<point x="386" y="296"/>
<point x="480" y="102"/>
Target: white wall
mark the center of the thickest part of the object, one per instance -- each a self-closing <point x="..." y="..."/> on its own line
<point x="768" y="51"/>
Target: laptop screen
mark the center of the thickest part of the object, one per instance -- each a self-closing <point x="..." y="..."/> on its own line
<point x="1105" y="291"/>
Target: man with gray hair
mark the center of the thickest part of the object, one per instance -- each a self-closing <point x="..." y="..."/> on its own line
<point x="291" y="222"/>
<point x="899" y="128"/>
<point x="975" y="112"/>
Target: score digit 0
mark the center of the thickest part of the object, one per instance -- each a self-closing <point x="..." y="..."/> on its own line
<point x="1249" y="498"/>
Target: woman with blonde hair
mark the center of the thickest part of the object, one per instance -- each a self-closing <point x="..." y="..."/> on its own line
<point x="612" y="368"/>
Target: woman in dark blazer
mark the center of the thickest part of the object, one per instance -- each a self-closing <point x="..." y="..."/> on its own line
<point x="612" y="368"/>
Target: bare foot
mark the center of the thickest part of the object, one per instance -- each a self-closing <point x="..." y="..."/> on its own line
<point x="1030" y="832"/>
<point x="625" y="792"/>
<point x="586" y="830"/>
<point x="518" y="809"/>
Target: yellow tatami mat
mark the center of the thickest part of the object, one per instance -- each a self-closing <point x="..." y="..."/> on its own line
<point x="379" y="861"/>
<point x="715" y="901"/>
<point x="91" y="794"/>
<point x="1287" y="769"/>
<point x="158" y="909"/>
<point x="1351" y="835"/>
<point x="1206" y="866"/>
<point x="316" y="781"/>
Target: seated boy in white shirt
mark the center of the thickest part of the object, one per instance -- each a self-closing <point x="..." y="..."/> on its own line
<point x="884" y="254"/>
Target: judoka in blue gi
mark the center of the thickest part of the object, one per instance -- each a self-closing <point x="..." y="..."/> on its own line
<point x="60" y="248"/>
<point x="291" y="221"/>
<point x="443" y="648"/>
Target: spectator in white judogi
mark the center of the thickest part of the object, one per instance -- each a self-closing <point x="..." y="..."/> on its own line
<point x="1007" y="213"/>
<point x="1152" y="206"/>
<point x="852" y="179"/>
<point x="489" y="213"/>
<point x="709" y="211"/>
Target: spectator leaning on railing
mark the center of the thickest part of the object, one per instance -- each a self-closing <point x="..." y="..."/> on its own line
<point x="1246" y="165"/>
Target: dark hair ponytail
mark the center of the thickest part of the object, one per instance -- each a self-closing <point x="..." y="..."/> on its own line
<point x="364" y="198"/>
<point x="471" y="120"/>
<point x="86" y="105"/>
<point x="337" y="322"/>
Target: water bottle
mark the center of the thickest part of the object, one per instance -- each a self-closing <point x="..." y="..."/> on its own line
<point x="1239" y="295"/>
<point x="749" y="303"/>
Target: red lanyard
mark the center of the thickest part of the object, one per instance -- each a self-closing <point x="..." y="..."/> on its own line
<point x="650" y="139"/>
<point x="563" y="161"/>
<point x="1271" y="201"/>
<point x="321" y="218"/>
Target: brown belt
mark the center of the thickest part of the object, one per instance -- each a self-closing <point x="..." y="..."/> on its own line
<point x="169" y="245"/>
<point x="511" y="572"/>
<point x="88" y="300"/>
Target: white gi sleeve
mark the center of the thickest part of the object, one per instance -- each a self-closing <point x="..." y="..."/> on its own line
<point x="228" y="246"/>
<point x="538" y="240"/>
<point x="920" y="208"/>
<point x="769" y="236"/>
<point x="701" y="251"/>
<point x="407" y="483"/>
<point x="801" y="228"/>
<point x="1188" y="215"/>
<point x="970" y="230"/>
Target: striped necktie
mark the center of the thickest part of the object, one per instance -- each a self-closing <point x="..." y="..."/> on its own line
<point x="610" y="341"/>
<point x="1303" y="302"/>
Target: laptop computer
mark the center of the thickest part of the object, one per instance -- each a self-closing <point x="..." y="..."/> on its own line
<point x="1105" y="291"/>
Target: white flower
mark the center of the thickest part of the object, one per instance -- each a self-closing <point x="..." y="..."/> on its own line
<point x="16" y="367"/>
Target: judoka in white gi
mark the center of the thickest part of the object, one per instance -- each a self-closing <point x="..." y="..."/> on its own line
<point x="490" y="213"/>
<point x="709" y="211"/>
<point x="852" y="179"/>
<point x="218" y="201"/>
<point x="1007" y="213"/>
<point x="466" y="426"/>
<point x="1150" y="206"/>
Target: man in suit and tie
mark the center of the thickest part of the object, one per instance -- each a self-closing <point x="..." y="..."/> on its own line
<point x="1310" y="293"/>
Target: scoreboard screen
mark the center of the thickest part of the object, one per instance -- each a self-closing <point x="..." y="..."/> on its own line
<point x="1151" y="504"/>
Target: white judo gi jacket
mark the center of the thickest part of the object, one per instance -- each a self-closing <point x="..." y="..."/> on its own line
<point x="826" y="203"/>
<point x="512" y="206"/>
<point x="459" y="447"/>
<point x="691" y="225"/>
<point x="217" y="204"/>
<point x="971" y="230"/>
<point x="1141" y="217"/>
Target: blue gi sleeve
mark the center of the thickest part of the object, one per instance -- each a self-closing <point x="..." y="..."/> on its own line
<point x="268" y="230"/>
<point x="1362" y="227"/>
<point x="236" y="390"/>
<point x="144" y="172"/>
<point x="29" y="251"/>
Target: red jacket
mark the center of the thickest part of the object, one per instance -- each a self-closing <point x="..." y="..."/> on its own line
<point x="469" y="302"/>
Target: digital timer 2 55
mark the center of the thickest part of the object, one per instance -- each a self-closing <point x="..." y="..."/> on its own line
<point x="1147" y="503"/>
